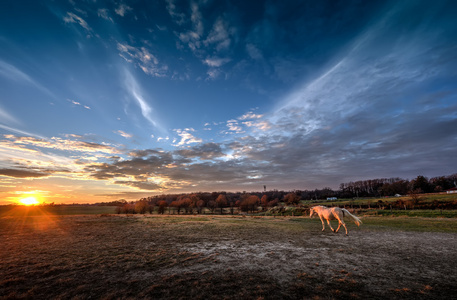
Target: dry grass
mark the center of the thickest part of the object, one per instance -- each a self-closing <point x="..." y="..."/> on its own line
<point x="218" y="258"/>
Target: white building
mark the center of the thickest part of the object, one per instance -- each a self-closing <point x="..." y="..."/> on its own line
<point x="452" y="191"/>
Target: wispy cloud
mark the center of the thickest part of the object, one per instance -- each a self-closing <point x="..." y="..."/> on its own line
<point x="77" y="103"/>
<point x="104" y="13"/>
<point x="179" y="18"/>
<point x="212" y="46"/>
<point x="254" y="52"/>
<point x="234" y="127"/>
<point x="73" y="18"/>
<point x="63" y="144"/>
<point x="124" y="134"/>
<point x="8" y="118"/>
<point x="192" y="38"/>
<point x="187" y="137"/>
<point x="122" y="9"/>
<point x="142" y="58"/>
<point x="133" y="89"/>
<point x="250" y="116"/>
<point x="219" y="35"/>
<point x="213" y="73"/>
<point x="19" y="131"/>
<point x="12" y="73"/>
<point x="216" y="61"/>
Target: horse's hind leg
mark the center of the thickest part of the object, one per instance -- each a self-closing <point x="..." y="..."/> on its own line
<point x="344" y="224"/>
<point x="345" y="228"/>
<point x="339" y="225"/>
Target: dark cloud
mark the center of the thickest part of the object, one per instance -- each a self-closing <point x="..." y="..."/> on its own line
<point x="204" y="151"/>
<point x="143" y="185"/>
<point x="138" y="165"/>
<point x="23" y="173"/>
<point x="144" y="153"/>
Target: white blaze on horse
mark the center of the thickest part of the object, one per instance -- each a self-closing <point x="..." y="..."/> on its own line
<point x="333" y="213"/>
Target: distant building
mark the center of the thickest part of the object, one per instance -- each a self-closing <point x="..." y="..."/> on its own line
<point x="452" y="190"/>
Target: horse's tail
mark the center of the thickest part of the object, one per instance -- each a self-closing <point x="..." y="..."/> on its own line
<point x="356" y="220"/>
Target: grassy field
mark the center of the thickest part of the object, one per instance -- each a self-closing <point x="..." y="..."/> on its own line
<point x="21" y="210"/>
<point x="224" y="257"/>
<point x="423" y="213"/>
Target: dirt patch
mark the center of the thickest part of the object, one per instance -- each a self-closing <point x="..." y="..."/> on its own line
<point x="214" y="258"/>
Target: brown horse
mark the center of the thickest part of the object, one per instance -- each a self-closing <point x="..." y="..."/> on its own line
<point x="333" y="213"/>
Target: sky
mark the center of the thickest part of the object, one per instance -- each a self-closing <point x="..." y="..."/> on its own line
<point x="107" y="100"/>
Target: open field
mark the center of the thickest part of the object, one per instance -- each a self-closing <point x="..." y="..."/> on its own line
<point x="214" y="257"/>
<point x="19" y="211"/>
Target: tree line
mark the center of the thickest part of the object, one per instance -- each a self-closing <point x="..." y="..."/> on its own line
<point x="393" y="186"/>
<point x="231" y="202"/>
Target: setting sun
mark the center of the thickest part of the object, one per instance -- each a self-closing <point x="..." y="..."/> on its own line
<point x="29" y="201"/>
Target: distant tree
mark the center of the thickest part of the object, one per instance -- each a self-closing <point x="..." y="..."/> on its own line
<point x="186" y="203"/>
<point x="291" y="198"/>
<point x="250" y="203"/>
<point x="212" y="205"/>
<point x="194" y="202"/>
<point x="264" y="202"/>
<point x="177" y="204"/>
<point x="200" y="204"/>
<point x="150" y="208"/>
<point x="162" y="205"/>
<point x="238" y="204"/>
<point x="128" y="208"/>
<point x="141" y="206"/>
<point x="420" y="183"/>
<point x="232" y="207"/>
<point x="439" y="184"/>
<point x="221" y="202"/>
<point x="415" y="196"/>
<point x="273" y="203"/>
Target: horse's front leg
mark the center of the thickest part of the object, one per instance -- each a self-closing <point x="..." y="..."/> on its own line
<point x="330" y="225"/>
<point x="323" y="224"/>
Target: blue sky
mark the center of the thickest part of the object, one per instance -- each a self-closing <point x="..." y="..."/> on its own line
<point x="122" y="99"/>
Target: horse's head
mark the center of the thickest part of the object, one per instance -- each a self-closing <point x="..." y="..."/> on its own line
<point x="311" y="211"/>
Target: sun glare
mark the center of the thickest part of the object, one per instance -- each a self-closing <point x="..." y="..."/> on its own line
<point x="29" y="201"/>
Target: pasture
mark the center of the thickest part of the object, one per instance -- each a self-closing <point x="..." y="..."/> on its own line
<point x="225" y="257"/>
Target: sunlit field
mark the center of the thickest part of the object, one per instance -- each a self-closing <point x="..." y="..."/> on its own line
<point x="31" y="210"/>
<point x="216" y="257"/>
